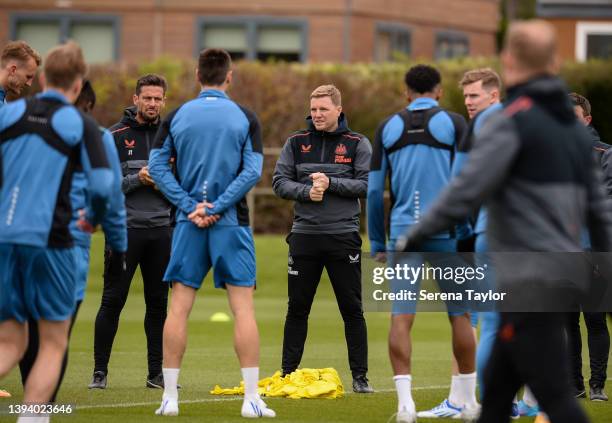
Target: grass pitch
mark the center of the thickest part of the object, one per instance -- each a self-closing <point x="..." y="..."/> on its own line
<point x="210" y="358"/>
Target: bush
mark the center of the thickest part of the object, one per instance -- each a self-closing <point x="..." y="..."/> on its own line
<point x="279" y="93"/>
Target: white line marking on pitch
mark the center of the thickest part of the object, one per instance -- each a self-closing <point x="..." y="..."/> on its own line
<point x="233" y="398"/>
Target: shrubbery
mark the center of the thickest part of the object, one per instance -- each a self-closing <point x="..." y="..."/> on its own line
<point x="279" y="92"/>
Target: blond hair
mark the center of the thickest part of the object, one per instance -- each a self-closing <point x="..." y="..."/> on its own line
<point x="490" y="79"/>
<point x="328" y="91"/>
<point x="20" y="51"/>
<point x="64" y="64"/>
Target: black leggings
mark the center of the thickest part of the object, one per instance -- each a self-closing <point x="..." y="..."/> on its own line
<point x="530" y="349"/>
<point x="27" y="362"/>
<point x="599" y="348"/>
<point x="340" y="254"/>
<point x="149" y="248"/>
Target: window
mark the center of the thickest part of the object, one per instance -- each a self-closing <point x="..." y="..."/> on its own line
<point x="255" y="38"/>
<point x="391" y="41"/>
<point x="279" y="43"/>
<point x="232" y="38"/>
<point x="593" y="40"/>
<point x="97" y="35"/>
<point x="450" y="45"/>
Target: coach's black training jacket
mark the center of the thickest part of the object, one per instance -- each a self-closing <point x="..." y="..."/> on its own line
<point x="344" y="156"/>
<point x="146" y="207"/>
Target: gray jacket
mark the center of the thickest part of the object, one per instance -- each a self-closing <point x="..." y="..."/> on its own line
<point x="344" y="156"/>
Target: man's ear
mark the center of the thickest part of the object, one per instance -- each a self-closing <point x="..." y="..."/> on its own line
<point x="588" y="119"/>
<point x="134" y="99"/>
<point x="229" y="77"/>
<point x="42" y="80"/>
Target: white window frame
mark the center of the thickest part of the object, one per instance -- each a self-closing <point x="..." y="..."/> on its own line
<point x="583" y="30"/>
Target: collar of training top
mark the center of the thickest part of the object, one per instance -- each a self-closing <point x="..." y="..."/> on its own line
<point x="422" y="103"/>
<point x="212" y="94"/>
<point x="53" y="95"/>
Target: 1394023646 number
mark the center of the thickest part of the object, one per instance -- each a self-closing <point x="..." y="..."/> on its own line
<point x="37" y="409"/>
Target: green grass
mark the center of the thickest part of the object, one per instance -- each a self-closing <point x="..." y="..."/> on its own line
<point x="210" y="357"/>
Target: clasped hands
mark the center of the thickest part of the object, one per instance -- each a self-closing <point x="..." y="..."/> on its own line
<point x="320" y="183"/>
<point x="201" y="218"/>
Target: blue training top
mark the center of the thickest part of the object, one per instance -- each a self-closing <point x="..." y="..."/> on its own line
<point x="114" y="222"/>
<point x="479" y="120"/>
<point x="418" y="172"/>
<point x="219" y="157"/>
<point x="46" y="140"/>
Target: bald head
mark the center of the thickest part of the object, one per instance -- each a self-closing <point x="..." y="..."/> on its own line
<point x="530" y="49"/>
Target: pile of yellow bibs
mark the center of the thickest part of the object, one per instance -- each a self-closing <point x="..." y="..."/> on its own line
<point x="303" y="383"/>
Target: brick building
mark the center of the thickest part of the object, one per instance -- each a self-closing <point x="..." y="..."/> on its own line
<point x="317" y="30"/>
<point x="584" y="27"/>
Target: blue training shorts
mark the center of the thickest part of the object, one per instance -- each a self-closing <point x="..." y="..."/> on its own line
<point x="37" y="283"/>
<point x="82" y="267"/>
<point x="454" y="308"/>
<point x="229" y="250"/>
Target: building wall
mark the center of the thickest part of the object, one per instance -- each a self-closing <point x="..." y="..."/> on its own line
<point x="150" y="28"/>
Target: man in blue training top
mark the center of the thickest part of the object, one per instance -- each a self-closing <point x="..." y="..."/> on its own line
<point x="113" y="224"/>
<point x="46" y="140"/>
<point x="481" y="92"/>
<point x="18" y="64"/>
<point x="218" y="150"/>
<point x="416" y="147"/>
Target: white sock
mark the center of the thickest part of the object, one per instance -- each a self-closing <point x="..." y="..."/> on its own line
<point x="528" y="398"/>
<point x="403" y="385"/>
<point x="33" y="419"/>
<point x="466" y="385"/>
<point x="250" y="375"/>
<point x="454" y="396"/>
<point x="170" y="381"/>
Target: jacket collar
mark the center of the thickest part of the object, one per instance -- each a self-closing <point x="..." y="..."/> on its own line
<point x="341" y="129"/>
<point x="129" y="119"/>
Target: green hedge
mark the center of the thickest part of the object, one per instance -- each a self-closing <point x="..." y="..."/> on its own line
<point x="279" y="92"/>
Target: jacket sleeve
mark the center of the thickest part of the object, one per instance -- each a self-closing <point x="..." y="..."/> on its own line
<point x="606" y="167"/>
<point x="160" y="171"/>
<point x="252" y="164"/>
<point x="486" y="169"/>
<point x="130" y="182"/>
<point x="376" y="189"/>
<point x="114" y="223"/>
<point x="599" y="212"/>
<point x="284" y="181"/>
<point x="96" y="168"/>
<point x="358" y="185"/>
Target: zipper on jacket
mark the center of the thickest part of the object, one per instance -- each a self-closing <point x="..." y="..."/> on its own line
<point x="148" y="142"/>
<point x="323" y="147"/>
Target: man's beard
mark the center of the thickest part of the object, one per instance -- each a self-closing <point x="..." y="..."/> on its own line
<point x="147" y="118"/>
<point x="13" y="92"/>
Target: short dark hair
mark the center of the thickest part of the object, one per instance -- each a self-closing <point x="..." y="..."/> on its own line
<point x="87" y="97"/>
<point x="151" y="79"/>
<point x="578" y="100"/>
<point x="422" y="78"/>
<point x="213" y="66"/>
